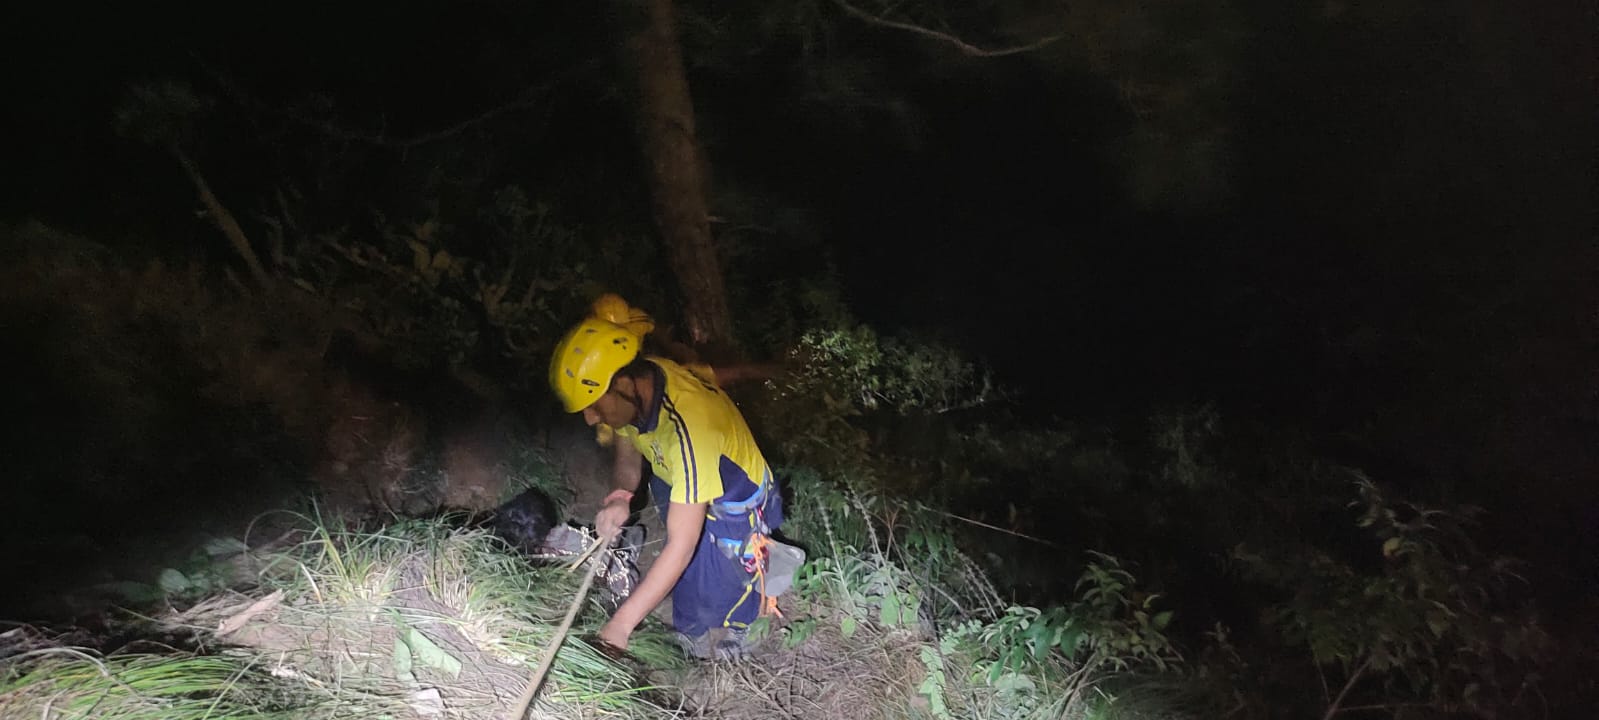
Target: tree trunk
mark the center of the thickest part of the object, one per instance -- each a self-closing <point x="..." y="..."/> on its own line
<point x="677" y="176"/>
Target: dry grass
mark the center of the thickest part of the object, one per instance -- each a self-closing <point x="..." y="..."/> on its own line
<point x="873" y="674"/>
<point x="419" y="620"/>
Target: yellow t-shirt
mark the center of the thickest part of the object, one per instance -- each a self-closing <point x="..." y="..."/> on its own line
<point x="694" y="436"/>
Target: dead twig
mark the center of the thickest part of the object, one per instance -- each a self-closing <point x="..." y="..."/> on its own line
<point x="530" y="97"/>
<point x="964" y="47"/>
<point x="234" y="623"/>
<point x="598" y="543"/>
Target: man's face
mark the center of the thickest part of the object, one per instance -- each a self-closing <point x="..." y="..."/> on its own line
<point x="617" y="407"/>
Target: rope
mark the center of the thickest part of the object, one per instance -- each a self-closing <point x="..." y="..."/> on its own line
<point x="996" y="528"/>
<point x="536" y="681"/>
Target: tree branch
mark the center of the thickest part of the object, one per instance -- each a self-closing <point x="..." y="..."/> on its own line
<point x="1326" y="695"/>
<point x="529" y="97"/>
<point x="1354" y="677"/>
<point x="1391" y="706"/>
<point x="964" y="47"/>
<point x="223" y="219"/>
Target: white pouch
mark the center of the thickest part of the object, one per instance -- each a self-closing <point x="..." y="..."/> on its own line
<point x="783" y="562"/>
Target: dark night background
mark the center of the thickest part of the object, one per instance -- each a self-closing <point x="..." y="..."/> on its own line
<point x="1373" y="227"/>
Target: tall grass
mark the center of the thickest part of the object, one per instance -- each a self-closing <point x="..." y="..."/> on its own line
<point x="73" y="683"/>
<point x="420" y="618"/>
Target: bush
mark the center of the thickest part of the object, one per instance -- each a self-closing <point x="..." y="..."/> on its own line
<point x="1425" y="620"/>
<point x="855" y="365"/>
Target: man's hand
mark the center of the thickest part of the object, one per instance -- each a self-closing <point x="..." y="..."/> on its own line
<point x="684" y="523"/>
<point x="608" y="521"/>
<point x="625" y="476"/>
<point x="615" y="634"/>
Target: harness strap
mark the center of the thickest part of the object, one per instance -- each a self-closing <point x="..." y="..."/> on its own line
<point x="725" y="509"/>
<point x="750" y="552"/>
<point x="755" y="559"/>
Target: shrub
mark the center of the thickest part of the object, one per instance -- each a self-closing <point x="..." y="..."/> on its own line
<point x="1426" y="619"/>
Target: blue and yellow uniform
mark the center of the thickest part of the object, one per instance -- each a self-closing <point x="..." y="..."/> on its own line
<point x="701" y="451"/>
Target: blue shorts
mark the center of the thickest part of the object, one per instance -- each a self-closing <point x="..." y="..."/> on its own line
<point x="715" y="590"/>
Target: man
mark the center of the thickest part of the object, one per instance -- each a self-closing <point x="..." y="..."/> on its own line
<point x="715" y="489"/>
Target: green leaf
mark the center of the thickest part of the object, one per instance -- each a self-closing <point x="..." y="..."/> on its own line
<point x="1017" y="657"/>
<point x="760" y="629"/>
<point x="1162" y="619"/>
<point x="1014" y="683"/>
<point x="889" y="614"/>
<point x="402" y="661"/>
<point x="798" y="632"/>
<point x="932" y="686"/>
<point x="172" y="581"/>
<point x="1069" y="639"/>
<point x="847" y="626"/>
<point x="1042" y="637"/>
<point x="429" y="654"/>
<point x="219" y="546"/>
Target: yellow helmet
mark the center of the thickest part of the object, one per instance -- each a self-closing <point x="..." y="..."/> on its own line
<point x="586" y="360"/>
<point x="612" y="307"/>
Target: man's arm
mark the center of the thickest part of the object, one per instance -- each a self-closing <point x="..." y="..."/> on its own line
<point x="628" y="465"/>
<point x="684" y="522"/>
<point x="625" y="472"/>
